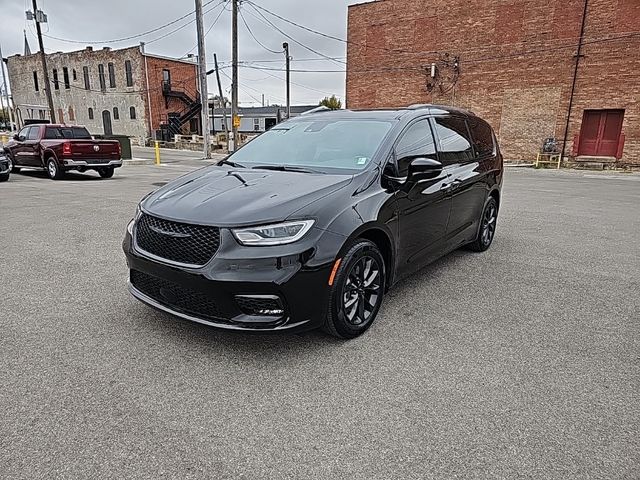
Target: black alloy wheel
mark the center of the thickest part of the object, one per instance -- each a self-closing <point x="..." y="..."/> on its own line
<point x="106" y="172"/>
<point x="357" y="291"/>
<point x="12" y="164"/>
<point x="487" y="230"/>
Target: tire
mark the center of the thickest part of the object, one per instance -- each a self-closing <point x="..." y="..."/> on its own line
<point x="54" y="170"/>
<point x="12" y="163"/>
<point x="106" y="172"/>
<point x="487" y="228"/>
<point x="355" y="297"/>
<point x="5" y="176"/>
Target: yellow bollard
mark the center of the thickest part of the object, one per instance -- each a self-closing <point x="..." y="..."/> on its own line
<point x="3" y="139"/>
<point x="157" y="153"/>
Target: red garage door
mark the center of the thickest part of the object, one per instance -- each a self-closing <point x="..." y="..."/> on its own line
<point x="600" y="132"/>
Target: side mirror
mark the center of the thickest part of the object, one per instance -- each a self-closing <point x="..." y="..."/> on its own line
<point x="16" y="137"/>
<point x="423" y="168"/>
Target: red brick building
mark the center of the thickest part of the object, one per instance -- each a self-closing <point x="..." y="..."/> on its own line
<point x="513" y="63"/>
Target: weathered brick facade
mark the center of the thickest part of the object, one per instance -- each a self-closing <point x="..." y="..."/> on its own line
<point x="512" y="62"/>
<point x="124" y="100"/>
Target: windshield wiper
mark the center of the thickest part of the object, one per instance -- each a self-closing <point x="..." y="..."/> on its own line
<point x="287" y="168"/>
<point x="231" y="164"/>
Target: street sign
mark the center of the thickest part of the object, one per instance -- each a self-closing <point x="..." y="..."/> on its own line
<point x="236" y="121"/>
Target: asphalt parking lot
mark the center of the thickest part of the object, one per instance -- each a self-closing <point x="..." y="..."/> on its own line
<point x="519" y="362"/>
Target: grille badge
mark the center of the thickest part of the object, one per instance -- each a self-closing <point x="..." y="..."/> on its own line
<point x="169" y="234"/>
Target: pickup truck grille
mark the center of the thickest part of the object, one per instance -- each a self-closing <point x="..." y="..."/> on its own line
<point x="182" y="243"/>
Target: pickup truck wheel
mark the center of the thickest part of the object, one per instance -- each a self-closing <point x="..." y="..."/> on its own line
<point x="12" y="164"/>
<point x="106" y="172"/>
<point x="54" y="170"/>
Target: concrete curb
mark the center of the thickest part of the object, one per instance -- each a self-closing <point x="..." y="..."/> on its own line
<point x="137" y="161"/>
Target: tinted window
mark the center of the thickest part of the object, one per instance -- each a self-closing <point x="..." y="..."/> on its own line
<point x="33" y="133"/>
<point x="67" y="132"/>
<point x="482" y="136"/>
<point x="23" y="133"/>
<point x="317" y="144"/>
<point x="453" y="140"/>
<point x="416" y="141"/>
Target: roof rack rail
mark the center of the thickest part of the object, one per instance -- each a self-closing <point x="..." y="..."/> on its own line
<point x="418" y="106"/>
<point x="321" y="108"/>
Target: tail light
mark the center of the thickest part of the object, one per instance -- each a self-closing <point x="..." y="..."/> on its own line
<point x="66" y="148"/>
<point x="119" y="149"/>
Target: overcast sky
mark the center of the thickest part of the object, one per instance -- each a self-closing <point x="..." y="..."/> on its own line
<point x="99" y="20"/>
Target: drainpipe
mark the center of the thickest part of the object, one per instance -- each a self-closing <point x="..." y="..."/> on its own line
<point x="146" y="73"/>
<point x="575" y="79"/>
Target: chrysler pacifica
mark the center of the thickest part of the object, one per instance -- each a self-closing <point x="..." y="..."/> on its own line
<point x="309" y="224"/>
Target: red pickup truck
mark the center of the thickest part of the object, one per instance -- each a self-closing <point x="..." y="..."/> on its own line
<point x="57" y="149"/>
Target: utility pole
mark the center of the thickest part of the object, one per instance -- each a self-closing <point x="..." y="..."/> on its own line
<point x="234" y="87"/>
<point x="285" y="45"/>
<point x="6" y="92"/>
<point x="43" y="58"/>
<point x="202" y="73"/>
<point x="224" y="104"/>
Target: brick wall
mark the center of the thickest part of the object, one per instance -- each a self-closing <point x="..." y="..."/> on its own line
<point x="184" y="77"/>
<point x="76" y="100"/>
<point x="516" y="62"/>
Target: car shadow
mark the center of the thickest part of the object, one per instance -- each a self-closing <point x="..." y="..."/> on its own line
<point x="69" y="176"/>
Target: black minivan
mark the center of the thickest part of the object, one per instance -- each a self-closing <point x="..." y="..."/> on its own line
<point x="309" y="224"/>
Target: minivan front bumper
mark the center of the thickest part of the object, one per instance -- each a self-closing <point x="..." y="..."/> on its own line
<point x="282" y="288"/>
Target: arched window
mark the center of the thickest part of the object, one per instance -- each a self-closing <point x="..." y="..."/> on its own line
<point x="132" y="113"/>
<point x="90" y="113"/>
<point x="72" y="115"/>
<point x="116" y="115"/>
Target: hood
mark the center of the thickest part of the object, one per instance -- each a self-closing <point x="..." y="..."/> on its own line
<point x="225" y="196"/>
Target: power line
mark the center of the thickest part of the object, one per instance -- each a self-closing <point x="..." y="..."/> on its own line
<point x="244" y="20"/>
<point x="117" y="40"/>
<point x="293" y="39"/>
<point x="225" y="2"/>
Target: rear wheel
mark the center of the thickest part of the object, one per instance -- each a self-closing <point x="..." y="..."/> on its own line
<point x="54" y="170"/>
<point x="357" y="291"/>
<point x="487" y="229"/>
<point x="106" y="172"/>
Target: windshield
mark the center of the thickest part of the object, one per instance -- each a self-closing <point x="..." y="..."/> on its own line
<point x="67" y="132"/>
<point x="315" y="144"/>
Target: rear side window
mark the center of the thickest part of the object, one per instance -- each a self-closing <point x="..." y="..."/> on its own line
<point x="416" y="141"/>
<point x="453" y="140"/>
<point x="33" y="133"/>
<point x="482" y="137"/>
<point x="67" y="132"/>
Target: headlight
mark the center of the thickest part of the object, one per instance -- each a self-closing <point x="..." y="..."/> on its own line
<point x="277" y="234"/>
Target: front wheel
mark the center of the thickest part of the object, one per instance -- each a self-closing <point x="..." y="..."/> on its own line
<point x="4" y="176"/>
<point x="106" y="172"/>
<point x="487" y="229"/>
<point x="357" y="291"/>
<point x="12" y="165"/>
<point x="54" y="170"/>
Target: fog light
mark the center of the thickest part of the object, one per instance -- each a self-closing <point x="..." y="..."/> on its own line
<point x="260" y="305"/>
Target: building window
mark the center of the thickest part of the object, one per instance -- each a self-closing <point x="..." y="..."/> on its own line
<point x="103" y="82"/>
<point x="132" y="113"/>
<point x="116" y="114"/>
<point x="128" y="72"/>
<point x="90" y="113"/>
<point x="35" y="81"/>
<point x="256" y="124"/>
<point x="72" y="115"/>
<point x="85" y="74"/>
<point x="74" y="74"/>
<point x="112" y="76"/>
<point x="65" y="76"/>
<point x="60" y="116"/>
<point x="56" y="84"/>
